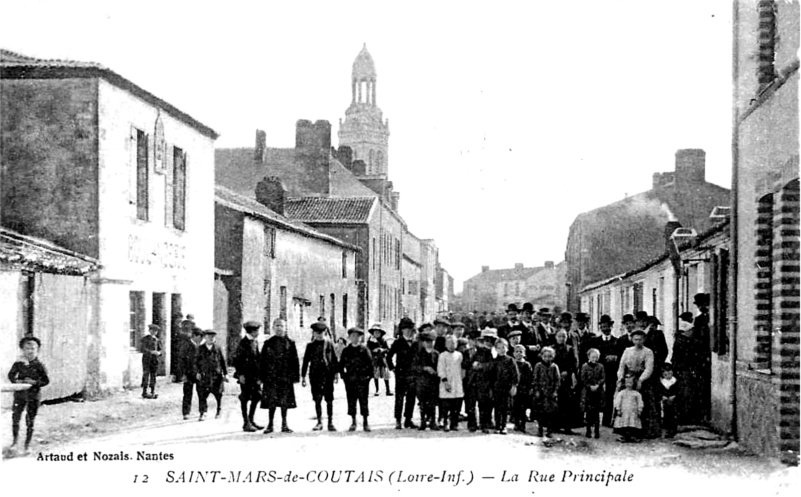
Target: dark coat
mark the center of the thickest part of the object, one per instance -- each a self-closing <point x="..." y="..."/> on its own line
<point x="592" y="375"/>
<point x="426" y="382"/>
<point x="481" y="381"/>
<point x="280" y="370"/>
<point x="247" y="359"/>
<point x="356" y="363"/>
<point x="504" y="374"/>
<point x="33" y="370"/>
<point x="402" y="351"/>
<point x="187" y="349"/>
<point x="151" y="350"/>
<point x="210" y="364"/>
<point x="546" y="387"/>
<point x="526" y="385"/>
<point x="320" y="361"/>
<point x="655" y="340"/>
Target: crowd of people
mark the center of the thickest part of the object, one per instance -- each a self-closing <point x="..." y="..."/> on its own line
<point x="556" y="373"/>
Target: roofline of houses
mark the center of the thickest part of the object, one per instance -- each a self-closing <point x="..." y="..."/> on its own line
<point x="658" y="260"/>
<point x="287" y="225"/>
<point x="61" y="69"/>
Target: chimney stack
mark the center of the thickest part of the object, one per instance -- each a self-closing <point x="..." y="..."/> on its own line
<point x="518" y="265"/>
<point x="484" y="269"/>
<point x="670" y="227"/>
<point x="271" y="192"/>
<point x="313" y="137"/>
<point x="690" y="166"/>
<point x="261" y="147"/>
<point x="395" y="201"/>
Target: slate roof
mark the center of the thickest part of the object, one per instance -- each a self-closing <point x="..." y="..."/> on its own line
<point x="27" y="253"/>
<point x="511" y="274"/>
<point x="17" y="66"/>
<point x="228" y="198"/>
<point x="330" y="209"/>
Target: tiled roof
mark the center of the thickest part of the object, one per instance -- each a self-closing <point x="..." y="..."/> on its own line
<point x="225" y="197"/>
<point x="330" y="209"/>
<point x="17" y="66"/>
<point x="34" y="254"/>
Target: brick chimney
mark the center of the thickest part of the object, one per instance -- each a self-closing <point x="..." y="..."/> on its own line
<point x="662" y="179"/>
<point x="484" y="269"/>
<point x="690" y="166"/>
<point x="345" y="156"/>
<point x="313" y="137"/>
<point x="518" y="265"/>
<point x="670" y="227"/>
<point x="548" y="264"/>
<point x="261" y="147"/>
<point x="271" y="192"/>
<point x="359" y="168"/>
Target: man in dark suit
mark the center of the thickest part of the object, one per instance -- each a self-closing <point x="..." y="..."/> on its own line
<point x="399" y="360"/>
<point x="624" y="340"/>
<point x="187" y="348"/>
<point x="211" y="372"/>
<point x="610" y="360"/>
<point x="151" y="351"/>
<point x="246" y="363"/>
<point x="512" y="323"/>
<point x="585" y="336"/>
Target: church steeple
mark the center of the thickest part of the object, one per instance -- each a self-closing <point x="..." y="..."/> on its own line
<point x="364" y="129"/>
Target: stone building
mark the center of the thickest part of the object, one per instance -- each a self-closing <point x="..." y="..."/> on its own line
<point x="42" y="286"/>
<point x="329" y="188"/>
<point x="611" y="239"/>
<point x="765" y="227"/>
<point x="102" y="167"/>
<point x="493" y="289"/>
<point x="268" y="266"/>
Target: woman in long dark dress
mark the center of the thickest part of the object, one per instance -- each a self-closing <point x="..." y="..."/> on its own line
<point x="280" y="370"/>
<point x="687" y="362"/>
<point x="565" y="359"/>
<point x="638" y="360"/>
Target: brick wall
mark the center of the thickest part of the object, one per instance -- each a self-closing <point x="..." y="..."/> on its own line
<point x="48" y="134"/>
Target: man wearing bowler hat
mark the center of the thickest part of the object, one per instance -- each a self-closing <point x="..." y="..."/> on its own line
<point x="624" y="340"/>
<point x="512" y="322"/>
<point x="607" y="345"/>
<point x="399" y="360"/>
<point x="211" y="372"/>
<point x="246" y="363"/>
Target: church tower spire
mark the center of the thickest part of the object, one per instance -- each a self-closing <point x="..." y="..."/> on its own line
<point x="364" y="129"/>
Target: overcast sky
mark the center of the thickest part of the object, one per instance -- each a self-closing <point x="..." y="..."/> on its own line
<point x="507" y="120"/>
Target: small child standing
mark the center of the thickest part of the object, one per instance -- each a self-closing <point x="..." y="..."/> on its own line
<point x="356" y="369"/>
<point x="427" y="380"/>
<point x="28" y="370"/>
<point x="546" y="387"/>
<point x="504" y="384"/>
<point x="668" y="388"/>
<point x="320" y="362"/>
<point x="593" y="378"/>
<point x="451" y="393"/>
<point x="522" y="400"/>
<point x="628" y="408"/>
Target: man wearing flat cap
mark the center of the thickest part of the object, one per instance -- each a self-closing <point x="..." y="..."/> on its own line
<point x="356" y="369"/>
<point x="320" y="361"/>
<point x="150" y="347"/>
<point x="211" y="373"/>
<point x="246" y="363"/>
<point x="399" y="361"/>
<point x="512" y="322"/>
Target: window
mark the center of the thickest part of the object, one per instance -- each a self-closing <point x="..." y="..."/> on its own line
<point x="269" y="242"/>
<point x="333" y="318"/>
<point x="397" y="255"/>
<point x="638" y="291"/>
<point x="142" y="177"/>
<point x="344" y="264"/>
<point x="322" y="306"/>
<point x="375" y="254"/>
<point x="267" y="297"/>
<point x="179" y="189"/>
<point x="653" y="302"/>
<point x="136" y="318"/>
<point x="282" y="303"/>
<point x="345" y="311"/>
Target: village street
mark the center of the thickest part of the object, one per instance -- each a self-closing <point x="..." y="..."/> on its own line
<point x="161" y="445"/>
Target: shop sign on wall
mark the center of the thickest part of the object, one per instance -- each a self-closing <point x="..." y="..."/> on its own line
<point x="159" y="253"/>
